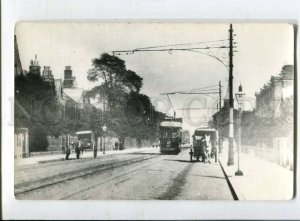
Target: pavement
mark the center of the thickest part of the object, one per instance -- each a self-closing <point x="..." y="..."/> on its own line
<point x="261" y="180"/>
<point x="86" y="154"/>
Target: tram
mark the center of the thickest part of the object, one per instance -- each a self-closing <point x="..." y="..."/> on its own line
<point x="86" y="138"/>
<point x="170" y="131"/>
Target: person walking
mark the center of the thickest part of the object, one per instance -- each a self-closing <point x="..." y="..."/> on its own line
<point x="77" y="150"/>
<point x="208" y="148"/>
<point x="81" y="147"/>
<point x="94" y="146"/>
<point x="68" y="152"/>
<point x="203" y="147"/>
<point x="116" y="145"/>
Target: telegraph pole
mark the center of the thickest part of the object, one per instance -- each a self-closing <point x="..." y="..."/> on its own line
<point x="219" y="116"/>
<point x="231" y="134"/>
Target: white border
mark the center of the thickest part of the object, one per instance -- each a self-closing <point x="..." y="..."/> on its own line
<point x="165" y="10"/>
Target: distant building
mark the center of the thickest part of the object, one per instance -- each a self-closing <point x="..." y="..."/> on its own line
<point x="69" y="80"/>
<point x="34" y="67"/>
<point x="58" y="89"/>
<point x="221" y="119"/>
<point x="47" y="74"/>
<point x="268" y="100"/>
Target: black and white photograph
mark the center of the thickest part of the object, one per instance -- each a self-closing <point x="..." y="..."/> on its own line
<point x="154" y="111"/>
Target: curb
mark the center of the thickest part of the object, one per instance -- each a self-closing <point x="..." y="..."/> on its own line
<point x="236" y="192"/>
<point x="62" y="158"/>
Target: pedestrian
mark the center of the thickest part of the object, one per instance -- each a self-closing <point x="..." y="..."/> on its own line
<point x="81" y="148"/>
<point x="77" y="150"/>
<point x="208" y="148"/>
<point x="202" y="143"/>
<point x="68" y="152"/>
<point x="94" y="146"/>
<point x="116" y="145"/>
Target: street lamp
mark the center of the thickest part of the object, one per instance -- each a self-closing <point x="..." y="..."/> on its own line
<point x="104" y="128"/>
<point x="239" y="97"/>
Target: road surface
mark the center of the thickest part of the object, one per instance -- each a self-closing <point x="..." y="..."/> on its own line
<point x="128" y="176"/>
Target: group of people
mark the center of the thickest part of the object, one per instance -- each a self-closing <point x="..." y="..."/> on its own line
<point x="78" y="149"/>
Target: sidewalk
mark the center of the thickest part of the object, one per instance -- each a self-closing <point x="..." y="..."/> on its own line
<point x="86" y="154"/>
<point x="261" y="180"/>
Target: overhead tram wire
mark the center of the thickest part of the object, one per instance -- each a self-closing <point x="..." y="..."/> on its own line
<point x="210" y="56"/>
<point x="172" y="106"/>
<point x="201" y="89"/>
<point x="183" y="44"/>
<point x="168" y="50"/>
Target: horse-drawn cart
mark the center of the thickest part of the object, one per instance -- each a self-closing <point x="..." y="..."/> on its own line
<point x="204" y="144"/>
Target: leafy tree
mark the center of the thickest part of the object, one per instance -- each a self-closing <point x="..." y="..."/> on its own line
<point x="35" y="108"/>
<point x="129" y="112"/>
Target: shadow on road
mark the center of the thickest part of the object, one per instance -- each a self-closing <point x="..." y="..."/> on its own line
<point x="183" y="161"/>
<point x="194" y="161"/>
<point x="142" y="154"/>
<point x="217" y="177"/>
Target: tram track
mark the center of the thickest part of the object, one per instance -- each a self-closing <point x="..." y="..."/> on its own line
<point x="30" y="186"/>
<point x="82" y="191"/>
<point x="87" y="193"/>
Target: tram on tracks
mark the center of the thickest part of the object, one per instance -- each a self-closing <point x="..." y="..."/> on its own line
<point x="86" y="138"/>
<point x="170" y="131"/>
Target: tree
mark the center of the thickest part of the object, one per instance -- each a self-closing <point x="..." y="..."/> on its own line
<point x="35" y="108"/>
<point x="130" y="113"/>
<point x="117" y="80"/>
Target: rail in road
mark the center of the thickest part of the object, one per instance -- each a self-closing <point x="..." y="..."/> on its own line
<point x="127" y="176"/>
<point x="29" y="186"/>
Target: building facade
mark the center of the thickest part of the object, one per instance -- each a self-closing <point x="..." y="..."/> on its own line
<point x="34" y="67"/>
<point x="269" y="99"/>
<point x="275" y="118"/>
<point x="69" y="79"/>
<point x="47" y="74"/>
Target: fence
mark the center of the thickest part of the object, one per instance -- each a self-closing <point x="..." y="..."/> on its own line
<point x="278" y="150"/>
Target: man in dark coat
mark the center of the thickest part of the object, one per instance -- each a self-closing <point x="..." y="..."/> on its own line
<point x="77" y="150"/>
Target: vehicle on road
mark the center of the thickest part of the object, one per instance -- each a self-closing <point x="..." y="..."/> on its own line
<point x="170" y="136"/>
<point x="86" y="138"/>
<point x="202" y="139"/>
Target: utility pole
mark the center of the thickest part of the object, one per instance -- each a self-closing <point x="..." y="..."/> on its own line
<point x="231" y="134"/>
<point x="103" y="127"/>
<point x="219" y="117"/>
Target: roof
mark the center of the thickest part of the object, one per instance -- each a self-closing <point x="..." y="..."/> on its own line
<point x="202" y="131"/>
<point x="84" y="132"/>
<point x="74" y="93"/>
<point x="170" y="124"/>
<point x="205" y="129"/>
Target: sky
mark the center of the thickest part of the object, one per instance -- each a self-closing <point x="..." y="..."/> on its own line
<point x="262" y="50"/>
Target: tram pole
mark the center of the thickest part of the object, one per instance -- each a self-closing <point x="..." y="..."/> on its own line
<point x="219" y="117"/>
<point x="231" y="133"/>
